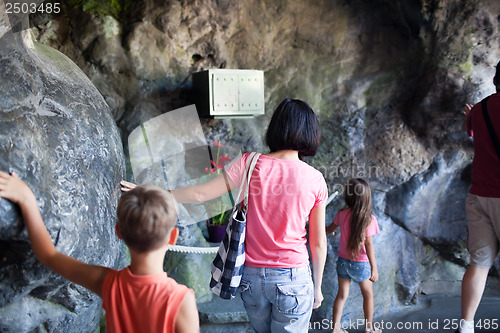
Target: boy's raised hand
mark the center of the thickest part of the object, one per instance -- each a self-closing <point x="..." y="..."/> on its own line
<point x="14" y="189"/>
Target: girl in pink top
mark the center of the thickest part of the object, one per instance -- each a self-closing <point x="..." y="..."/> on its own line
<point x="356" y="252"/>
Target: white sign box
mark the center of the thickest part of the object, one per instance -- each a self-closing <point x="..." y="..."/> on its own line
<point x="229" y="93"/>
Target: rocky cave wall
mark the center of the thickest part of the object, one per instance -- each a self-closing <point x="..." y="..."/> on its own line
<point x="57" y="133"/>
<point x="388" y="78"/>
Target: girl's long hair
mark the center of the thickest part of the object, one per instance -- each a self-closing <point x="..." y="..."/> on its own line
<point x="358" y="198"/>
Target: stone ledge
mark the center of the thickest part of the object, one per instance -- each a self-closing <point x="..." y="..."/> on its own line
<point x="226" y="328"/>
<point x="220" y="311"/>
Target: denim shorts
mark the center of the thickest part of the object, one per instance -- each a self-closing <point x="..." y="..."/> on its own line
<point x="358" y="271"/>
<point x="278" y="300"/>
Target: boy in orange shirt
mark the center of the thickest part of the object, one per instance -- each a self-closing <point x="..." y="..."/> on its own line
<point x="140" y="297"/>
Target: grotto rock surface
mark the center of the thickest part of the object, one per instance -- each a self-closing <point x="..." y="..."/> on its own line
<point x="58" y="135"/>
<point x="388" y="78"/>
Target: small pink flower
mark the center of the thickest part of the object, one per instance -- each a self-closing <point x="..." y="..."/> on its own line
<point x="217" y="144"/>
<point x="225" y="158"/>
<point x="219" y="165"/>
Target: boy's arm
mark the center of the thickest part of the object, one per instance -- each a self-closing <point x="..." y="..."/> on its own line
<point x="187" y="317"/>
<point x="370" y="252"/>
<point x="317" y="243"/>
<point x="88" y="276"/>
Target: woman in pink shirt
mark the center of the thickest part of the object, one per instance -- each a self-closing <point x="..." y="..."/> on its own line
<point x="276" y="288"/>
<point x="356" y="252"/>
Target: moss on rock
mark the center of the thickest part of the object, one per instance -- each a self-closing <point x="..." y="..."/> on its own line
<point x="103" y="7"/>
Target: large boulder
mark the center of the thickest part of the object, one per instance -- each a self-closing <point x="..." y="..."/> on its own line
<point x="57" y="133"/>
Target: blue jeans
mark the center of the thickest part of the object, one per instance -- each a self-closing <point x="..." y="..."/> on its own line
<point x="278" y="299"/>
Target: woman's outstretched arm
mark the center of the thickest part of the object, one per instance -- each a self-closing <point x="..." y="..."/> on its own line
<point x="212" y="189"/>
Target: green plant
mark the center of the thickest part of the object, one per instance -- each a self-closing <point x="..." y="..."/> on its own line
<point x="222" y="218"/>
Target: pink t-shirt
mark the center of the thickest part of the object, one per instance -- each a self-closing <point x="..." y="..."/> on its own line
<point x="486" y="165"/>
<point x="343" y="219"/>
<point x="282" y="194"/>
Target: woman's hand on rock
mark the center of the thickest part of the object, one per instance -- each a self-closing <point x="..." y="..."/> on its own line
<point x="127" y="186"/>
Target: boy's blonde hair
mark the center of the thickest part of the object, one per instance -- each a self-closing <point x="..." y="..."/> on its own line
<point x="146" y="216"/>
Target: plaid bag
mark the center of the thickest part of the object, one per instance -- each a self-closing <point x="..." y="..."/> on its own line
<point x="227" y="267"/>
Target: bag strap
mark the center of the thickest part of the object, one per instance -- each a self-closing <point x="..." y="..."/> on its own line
<point x="255" y="158"/>
<point x="245" y="182"/>
<point x="491" y="130"/>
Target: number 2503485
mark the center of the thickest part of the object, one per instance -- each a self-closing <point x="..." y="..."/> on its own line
<point x="32" y="8"/>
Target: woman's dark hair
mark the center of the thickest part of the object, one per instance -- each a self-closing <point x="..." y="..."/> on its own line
<point x="358" y="197"/>
<point x="294" y="126"/>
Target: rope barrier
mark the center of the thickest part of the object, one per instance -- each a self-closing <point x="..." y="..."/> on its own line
<point x="192" y="249"/>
